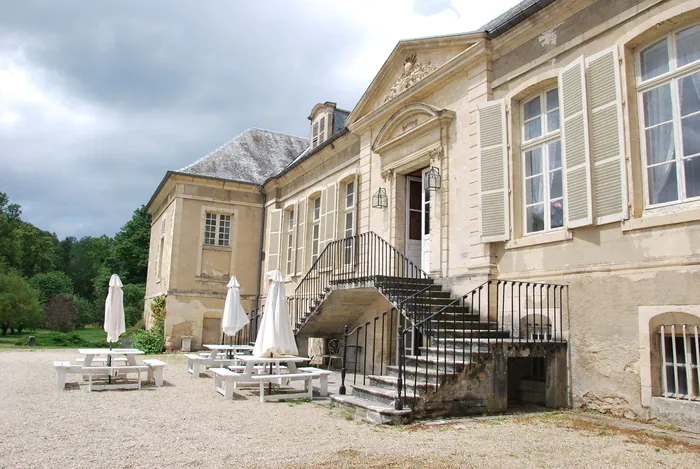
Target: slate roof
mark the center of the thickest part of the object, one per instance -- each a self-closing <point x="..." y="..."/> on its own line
<point x="512" y="14"/>
<point x="253" y="156"/>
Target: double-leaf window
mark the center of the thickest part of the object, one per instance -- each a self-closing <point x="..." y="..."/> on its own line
<point x="217" y="230"/>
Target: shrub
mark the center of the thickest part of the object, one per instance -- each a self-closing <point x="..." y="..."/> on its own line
<point x="50" y="284"/>
<point x="19" y="306"/>
<point x="62" y="313"/>
<point x="86" y="310"/>
<point x="153" y="339"/>
<point x="133" y="303"/>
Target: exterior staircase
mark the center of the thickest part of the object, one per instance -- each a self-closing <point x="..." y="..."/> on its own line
<point x="430" y="353"/>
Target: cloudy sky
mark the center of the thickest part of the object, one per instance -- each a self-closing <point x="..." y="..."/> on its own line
<point x="99" y="98"/>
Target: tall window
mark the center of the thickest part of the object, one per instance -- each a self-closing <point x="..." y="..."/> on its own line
<point x="315" y="228"/>
<point x="680" y="350"/>
<point x="290" y="242"/>
<point x="541" y="163"/>
<point x="669" y="97"/>
<point x="217" y="230"/>
<point x="349" y="220"/>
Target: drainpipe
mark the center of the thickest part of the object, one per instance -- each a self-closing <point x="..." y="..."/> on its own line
<point x="262" y="240"/>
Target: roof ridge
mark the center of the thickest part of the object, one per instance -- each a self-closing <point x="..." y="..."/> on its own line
<point x="278" y="133"/>
<point x="228" y="142"/>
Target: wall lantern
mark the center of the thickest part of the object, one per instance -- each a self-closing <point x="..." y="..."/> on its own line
<point x="379" y="199"/>
<point x="431" y="179"/>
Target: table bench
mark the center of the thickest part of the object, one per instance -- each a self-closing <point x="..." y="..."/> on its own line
<point x="306" y="377"/>
<point x="62" y="370"/>
<point x="225" y="381"/>
<point x="121" y="360"/>
<point x="195" y="363"/>
<point x="106" y="370"/>
<point x="155" y="370"/>
<point x="323" y="378"/>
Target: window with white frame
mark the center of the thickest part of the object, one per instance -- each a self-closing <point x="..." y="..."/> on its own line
<point x="680" y="350"/>
<point x="217" y="229"/>
<point x="290" y="243"/>
<point x="349" y="221"/>
<point x="315" y="228"/>
<point x="668" y="86"/>
<point x="543" y="207"/>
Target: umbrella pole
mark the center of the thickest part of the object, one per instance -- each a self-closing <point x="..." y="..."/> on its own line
<point x="109" y="363"/>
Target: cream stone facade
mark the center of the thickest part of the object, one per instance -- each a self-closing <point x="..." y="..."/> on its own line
<point x="560" y="145"/>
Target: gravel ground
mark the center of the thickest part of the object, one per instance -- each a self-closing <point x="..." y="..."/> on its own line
<point x="186" y="424"/>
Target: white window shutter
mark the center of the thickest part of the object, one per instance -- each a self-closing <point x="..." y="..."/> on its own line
<point x="300" y="237"/>
<point x="331" y="213"/>
<point x="493" y="172"/>
<point x="274" y="240"/>
<point x="293" y="270"/>
<point x="576" y="158"/>
<point x="322" y="222"/>
<point x="607" y="145"/>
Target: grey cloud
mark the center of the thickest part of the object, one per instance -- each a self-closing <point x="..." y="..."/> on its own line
<point x="169" y="81"/>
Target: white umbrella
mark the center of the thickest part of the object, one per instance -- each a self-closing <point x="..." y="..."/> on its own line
<point x="275" y="336"/>
<point x="114" y="310"/>
<point x="235" y="317"/>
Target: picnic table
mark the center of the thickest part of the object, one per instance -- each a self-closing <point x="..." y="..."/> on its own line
<point x="98" y="368"/>
<point x="229" y="349"/>
<point x="278" y="370"/>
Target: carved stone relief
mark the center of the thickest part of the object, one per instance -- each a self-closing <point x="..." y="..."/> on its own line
<point x="413" y="72"/>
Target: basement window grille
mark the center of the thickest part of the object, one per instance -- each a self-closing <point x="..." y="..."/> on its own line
<point x="680" y="349"/>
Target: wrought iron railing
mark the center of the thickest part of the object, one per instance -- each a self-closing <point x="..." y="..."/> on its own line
<point x="463" y="332"/>
<point x="249" y="333"/>
<point x="432" y="339"/>
<point x="371" y="346"/>
<point x="362" y="260"/>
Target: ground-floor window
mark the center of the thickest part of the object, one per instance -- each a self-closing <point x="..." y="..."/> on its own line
<point x="680" y="349"/>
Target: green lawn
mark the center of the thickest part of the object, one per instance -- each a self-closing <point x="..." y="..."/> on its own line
<point x="83" y="337"/>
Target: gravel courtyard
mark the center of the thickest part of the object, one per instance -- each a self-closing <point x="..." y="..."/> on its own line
<point x="186" y="424"/>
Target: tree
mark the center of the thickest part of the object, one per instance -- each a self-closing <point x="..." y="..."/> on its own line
<point x="19" y="304"/>
<point x="133" y="303"/>
<point x="129" y="254"/>
<point x="62" y="313"/>
<point x="87" y="256"/>
<point x="86" y="311"/>
<point x="50" y="284"/>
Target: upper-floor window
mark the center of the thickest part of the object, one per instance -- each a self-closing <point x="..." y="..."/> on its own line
<point x="315" y="228"/>
<point x="217" y="230"/>
<point x="349" y="221"/>
<point x="290" y="242"/>
<point x="543" y="203"/>
<point x="668" y="83"/>
<point x="314" y="135"/>
<point x="322" y="130"/>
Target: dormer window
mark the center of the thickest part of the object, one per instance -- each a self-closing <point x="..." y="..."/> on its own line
<point x="322" y="130"/>
<point x="314" y="136"/>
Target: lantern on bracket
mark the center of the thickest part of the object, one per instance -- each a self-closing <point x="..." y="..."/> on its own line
<point x="431" y="179"/>
<point x="380" y="199"/>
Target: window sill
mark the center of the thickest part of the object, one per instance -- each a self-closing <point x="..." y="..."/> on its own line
<point x="656" y="218"/>
<point x="209" y="247"/>
<point x="544" y="238"/>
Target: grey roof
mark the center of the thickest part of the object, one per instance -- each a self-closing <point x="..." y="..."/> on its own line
<point x="524" y="8"/>
<point x="253" y="156"/>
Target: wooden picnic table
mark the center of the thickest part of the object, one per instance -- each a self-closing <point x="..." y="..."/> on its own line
<point x="131" y="366"/>
<point x="91" y="353"/>
<point x="230" y="349"/>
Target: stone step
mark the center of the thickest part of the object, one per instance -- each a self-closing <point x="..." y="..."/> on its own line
<point x="407" y="291"/>
<point x="440" y="323"/>
<point x="459" y="333"/>
<point x="377" y="394"/>
<point x="464" y="343"/>
<point x="453" y="360"/>
<point x="390" y="382"/>
<point x="372" y="411"/>
<point x="476" y="348"/>
<point x="422" y="374"/>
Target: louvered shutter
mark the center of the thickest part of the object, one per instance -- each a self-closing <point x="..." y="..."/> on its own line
<point x="331" y="213"/>
<point x="607" y="147"/>
<point x="575" y="148"/>
<point x="322" y="222"/>
<point x="322" y="131"/>
<point x="493" y="172"/>
<point x="292" y="267"/>
<point x="301" y="236"/>
<point x="274" y="240"/>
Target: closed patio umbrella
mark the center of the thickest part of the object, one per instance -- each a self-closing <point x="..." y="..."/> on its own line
<point x="275" y="337"/>
<point x="235" y="317"/>
<point x="114" y="310"/>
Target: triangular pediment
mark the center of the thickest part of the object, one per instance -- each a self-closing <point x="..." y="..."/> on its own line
<point x="411" y="62"/>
